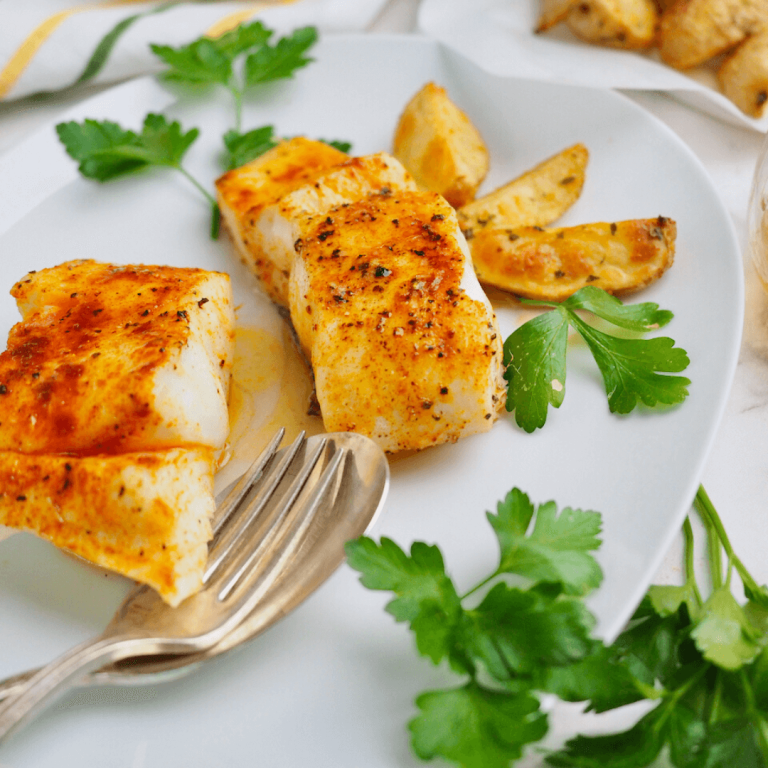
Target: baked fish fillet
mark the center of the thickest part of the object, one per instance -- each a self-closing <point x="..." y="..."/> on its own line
<point x="109" y="359"/>
<point x="145" y="515"/>
<point x="403" y="342"/>
<point x="263" y="202"/>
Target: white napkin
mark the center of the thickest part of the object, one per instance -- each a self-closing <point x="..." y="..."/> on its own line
<point x="46" y="45"/>
<point x="498" y="35"/>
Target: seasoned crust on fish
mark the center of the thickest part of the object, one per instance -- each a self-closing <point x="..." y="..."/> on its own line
<point x="145" y="515"/>
<point x="403" y="342"/>
<point x="266" y="231"/>
<point x="112" y="358"/>
<point x="246" y="191"/>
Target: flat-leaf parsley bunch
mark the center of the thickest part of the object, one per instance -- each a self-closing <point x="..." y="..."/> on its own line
<point x="703" y="660"/>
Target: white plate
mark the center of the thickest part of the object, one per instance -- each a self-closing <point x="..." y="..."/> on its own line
<point x="333" y="684"/>
<point x="499" y="36"/>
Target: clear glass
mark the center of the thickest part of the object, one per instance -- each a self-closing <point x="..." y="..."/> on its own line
<point x="757" y="217"/>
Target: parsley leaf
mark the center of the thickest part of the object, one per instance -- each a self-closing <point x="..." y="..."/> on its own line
<point x="723" y="634"/>
<point x="557" y="547"/>
<point x="244" y="147"/>
<point x="214" y="61"/>
<point x="640" y="745"/>
<point x="243" y="38"/>
<point x="201" y="62"/>
<point x="515" y="631"/>
<point x="636" y="317"/>
<point x="342" y="146"/>
<point x="534" y="358"/>
<point x="476" y="727"/>
<point x="632" y="369"/>
<point x="105" y="151"/>
<point x="597" y="678"/>
<point x="425" y="596"/>
<point x="282" y="60"/>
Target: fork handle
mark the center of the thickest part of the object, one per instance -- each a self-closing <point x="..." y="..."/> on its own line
<point x="55" y="677"/>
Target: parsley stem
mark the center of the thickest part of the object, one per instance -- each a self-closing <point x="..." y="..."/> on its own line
<point x="708" y="514"/>
<point x="717" y="695"/>
<point x="757" y="720"/>
<point x="707" y="510"/>
<point x="197" y="184"/>
<point x="690" y="575"/>
<point x="215" y="222"/>
<point x="480" y="585"/>
<point x="237" y="95"/>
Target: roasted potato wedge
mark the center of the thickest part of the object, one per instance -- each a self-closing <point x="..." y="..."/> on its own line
<point x="440" y="147"/>
<point x="627" y="24"/>
<point x="535" y="199"/>
<point x="693" y="31"/>
<point x="744" y="75"/>
<point x="552" y="12"/>
<point x="552" y="264"/>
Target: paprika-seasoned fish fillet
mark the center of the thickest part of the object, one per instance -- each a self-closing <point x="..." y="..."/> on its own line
<point x="111" y="359"/>
<point x="551" y="264"/>
<point x="145" y="515"/>
<point x="262" y="201"/>
<point x="113" y="405"/>
<point x="403" y="342"/>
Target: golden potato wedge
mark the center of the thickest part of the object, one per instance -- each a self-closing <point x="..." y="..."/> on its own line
<point x="535" y="199"/>
<point x="440" y="147"/>
<point x="693" y="31"/>
<point x="627" y="24"/>
<point x="552" y="264"/>
<point x="744" y="75"/>
<point x="552" y="12"/>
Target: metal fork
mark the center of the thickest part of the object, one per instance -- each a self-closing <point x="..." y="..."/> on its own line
<point x="260" y="526"/>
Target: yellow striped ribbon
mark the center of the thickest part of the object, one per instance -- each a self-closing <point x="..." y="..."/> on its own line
<point x="20" y="60"/>
<point x="13" y="70"/>
<point x="230" y="22"/>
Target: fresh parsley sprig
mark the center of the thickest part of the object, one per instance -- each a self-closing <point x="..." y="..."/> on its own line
<point x="633" y="369"/>
<point x="213" y="61"/>
<point x="106" y="151"/>
<point x="515" y="641"/>
<point x="704" y="660"/>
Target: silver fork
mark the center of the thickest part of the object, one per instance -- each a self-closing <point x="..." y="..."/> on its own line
<point x="260" y="526"/>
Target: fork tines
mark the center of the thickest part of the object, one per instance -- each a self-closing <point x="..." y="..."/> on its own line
<point x="264" y="525"/>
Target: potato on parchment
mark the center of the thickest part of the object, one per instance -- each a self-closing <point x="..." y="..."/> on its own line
<point x="552" y="264"/>
<point x="552" y="12"/>
<point x="440" y="147"/>
<point x="616" y="23"/>
<point x="535" y="199"/>
<point x="692" y="31"/>
<point x="744" y="75"/>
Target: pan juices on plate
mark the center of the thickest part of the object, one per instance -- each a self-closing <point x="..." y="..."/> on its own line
<point x="113" y="409"/>
<point x="379" y="283"/>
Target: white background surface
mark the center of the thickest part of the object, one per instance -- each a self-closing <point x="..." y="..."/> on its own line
<point x="735" y="474"/>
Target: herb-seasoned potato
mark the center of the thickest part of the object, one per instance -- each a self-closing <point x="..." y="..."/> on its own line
<point x="744" y="75"/>
<point x="552" y="264"/>
<point x="440" y="147"/>
<point x="535" y="199"/>
<point x="692" y="31"/>
<point x="552" y="12"/>
<point x="615" y="23"/>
